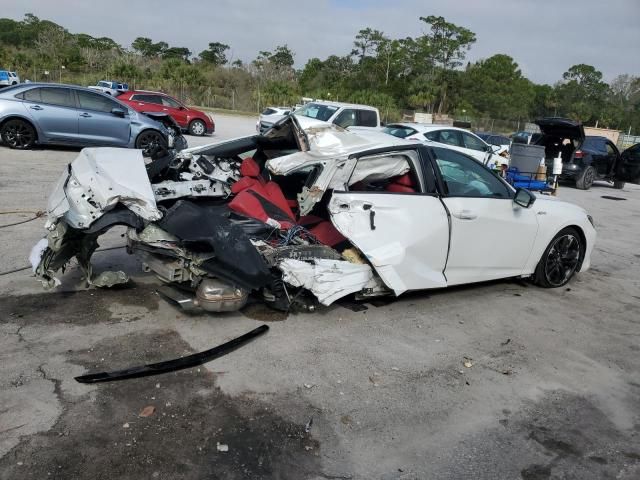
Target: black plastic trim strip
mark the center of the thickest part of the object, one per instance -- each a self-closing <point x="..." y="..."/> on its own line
<point x="174" y="365"/>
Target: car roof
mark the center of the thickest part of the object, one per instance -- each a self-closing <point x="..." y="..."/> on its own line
<point x="147" y="91"/>
<point x="426" y="127"/>
<point x="341" y="104"/>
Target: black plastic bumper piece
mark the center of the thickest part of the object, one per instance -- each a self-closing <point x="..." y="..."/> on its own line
<point x="177" y="364"/>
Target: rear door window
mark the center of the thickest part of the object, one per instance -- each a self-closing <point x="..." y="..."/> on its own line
<point x="399" y="131"/>
<point x="57" y="96"/>
<point x="451" y="137"/>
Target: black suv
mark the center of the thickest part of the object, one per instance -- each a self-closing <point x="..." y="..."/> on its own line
<point x="586" y="158"/>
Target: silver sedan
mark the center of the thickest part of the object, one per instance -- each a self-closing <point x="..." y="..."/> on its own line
<point x="48" y="113"/>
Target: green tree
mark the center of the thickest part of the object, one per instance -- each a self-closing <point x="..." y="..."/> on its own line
<point x="177" y="52"/>
<point x="215" y="54"/>
<point x="496" y="87"/>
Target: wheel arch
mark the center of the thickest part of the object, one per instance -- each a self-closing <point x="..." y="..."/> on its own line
<point x="24" y="119"/>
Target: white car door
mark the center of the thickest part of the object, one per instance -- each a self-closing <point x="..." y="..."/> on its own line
<point x="491" y="236"/>
<point x="403" y="233"/>
<point x="476" y="147"/>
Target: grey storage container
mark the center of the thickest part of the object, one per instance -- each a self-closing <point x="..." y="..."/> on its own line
<point x="526" y="158"/>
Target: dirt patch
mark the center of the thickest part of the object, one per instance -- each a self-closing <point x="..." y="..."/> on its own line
<point x="89" y="306"/>
<point x="194" y="431"/>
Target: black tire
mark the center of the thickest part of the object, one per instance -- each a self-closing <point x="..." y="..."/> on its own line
<point x="586" y="178"/>
<point x="560" y="260"/>
<point x="151" y="143"/>
<point x="197" y="127"/>
<point x="618" y="184"/>
<point x="18" y="134"/>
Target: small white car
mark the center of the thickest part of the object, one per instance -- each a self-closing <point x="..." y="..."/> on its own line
<point x="450" y="137"/>
<point x="296" y="217"/>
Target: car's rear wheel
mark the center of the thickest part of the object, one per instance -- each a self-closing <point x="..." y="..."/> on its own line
<point x="560" y="260"/>
<point x="18" y="134"/>
<point x="197" y="127"/>
<point x="586" y="178"/>
<point x="618" y="184"/>
<point x="151" y="143"/>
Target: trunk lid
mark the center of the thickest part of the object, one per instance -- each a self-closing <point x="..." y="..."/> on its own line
<point x="561" y="127"/>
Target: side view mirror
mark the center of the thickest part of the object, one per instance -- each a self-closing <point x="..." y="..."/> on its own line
<point x="118" y="112"/>
<point x="495" y="148"/>
<point x="524" y="198"/>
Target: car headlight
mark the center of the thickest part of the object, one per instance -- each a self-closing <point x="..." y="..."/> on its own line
<point x="590" y="218"/>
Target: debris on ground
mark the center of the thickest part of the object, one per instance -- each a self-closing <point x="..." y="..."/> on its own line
<point x="506" y="342"/>
<point x="467" y="362"/>
<point x="177" y="364"/>
<point x="307" y="427"/>
<point x="221" y="447"/>
<point x="147" y="411"/>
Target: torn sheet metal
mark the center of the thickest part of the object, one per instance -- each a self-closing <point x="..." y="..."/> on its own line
<point x="328" y="280"/>
<point x="96" y="181"/>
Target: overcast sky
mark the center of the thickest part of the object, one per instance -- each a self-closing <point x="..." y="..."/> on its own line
<point x="545" y="37"/>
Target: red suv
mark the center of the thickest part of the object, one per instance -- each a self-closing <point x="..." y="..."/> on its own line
<point x="190" y="119"/>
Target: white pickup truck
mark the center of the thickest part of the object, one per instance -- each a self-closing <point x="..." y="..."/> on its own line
<point x="110" y="88"/>
<point x="345" y="115"/>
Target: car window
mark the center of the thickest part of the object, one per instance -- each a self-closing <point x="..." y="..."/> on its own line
<point x="451" y="137"/>
<point x="367" y="118"/>
<point x="610" y="149"/>
<point x="465" y="177"/>
<point x="317" y="111"/>
<point x="147" y="98"/>
<point x="268" y="111"/>
<point x="399" y="131"/>
<point x="346" y="118"/>
<point x="93" y="101"/>
<point x="473" y="142"/>
<point x="57" y="96"/>
<point x="170" y="102"/>
<point x="434" y="136"/>
<point x="32" y="95"/>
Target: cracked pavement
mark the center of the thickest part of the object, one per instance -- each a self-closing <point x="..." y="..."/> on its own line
<point x="552" y="391"/>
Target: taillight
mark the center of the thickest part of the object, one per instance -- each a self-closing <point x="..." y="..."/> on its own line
<point x="578" y="154"/>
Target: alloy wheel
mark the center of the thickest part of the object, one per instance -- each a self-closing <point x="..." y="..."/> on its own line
<point x="562" y="259"/>
<point x="150" y="143"/>
<point x="18" y="135"/>
<point x="197" y="128"/>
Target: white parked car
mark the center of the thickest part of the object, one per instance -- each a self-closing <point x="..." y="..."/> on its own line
<point x="110" y="88"/>
<point x="451" y="137"/>
<point x="310" y="216"/>
<point x="346" y="115"/>
<point x="271" y="115"/>
<point x="8" y="78"/>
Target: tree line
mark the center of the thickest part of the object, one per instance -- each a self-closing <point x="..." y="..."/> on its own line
<point x="427" y="73"/>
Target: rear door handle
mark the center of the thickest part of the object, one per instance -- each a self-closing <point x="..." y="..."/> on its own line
<point x="372" y="215"/>
<point x="465" y="215"/>
<point x="36" y="107"/>
<point x="85" y="115"/>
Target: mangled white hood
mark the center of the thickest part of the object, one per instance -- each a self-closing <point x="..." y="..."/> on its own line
<point x="96" y="181"/>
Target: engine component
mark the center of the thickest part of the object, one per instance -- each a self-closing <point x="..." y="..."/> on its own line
<point x="214" y="295"/>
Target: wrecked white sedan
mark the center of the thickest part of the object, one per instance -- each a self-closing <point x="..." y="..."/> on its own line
<point x="299" y="216"/>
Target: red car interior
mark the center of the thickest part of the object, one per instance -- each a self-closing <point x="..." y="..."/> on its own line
<point x="259" y="199"/>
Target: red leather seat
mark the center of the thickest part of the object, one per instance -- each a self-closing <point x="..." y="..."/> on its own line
<point x="326" y="233"/>
<point x="402" y="184"/>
